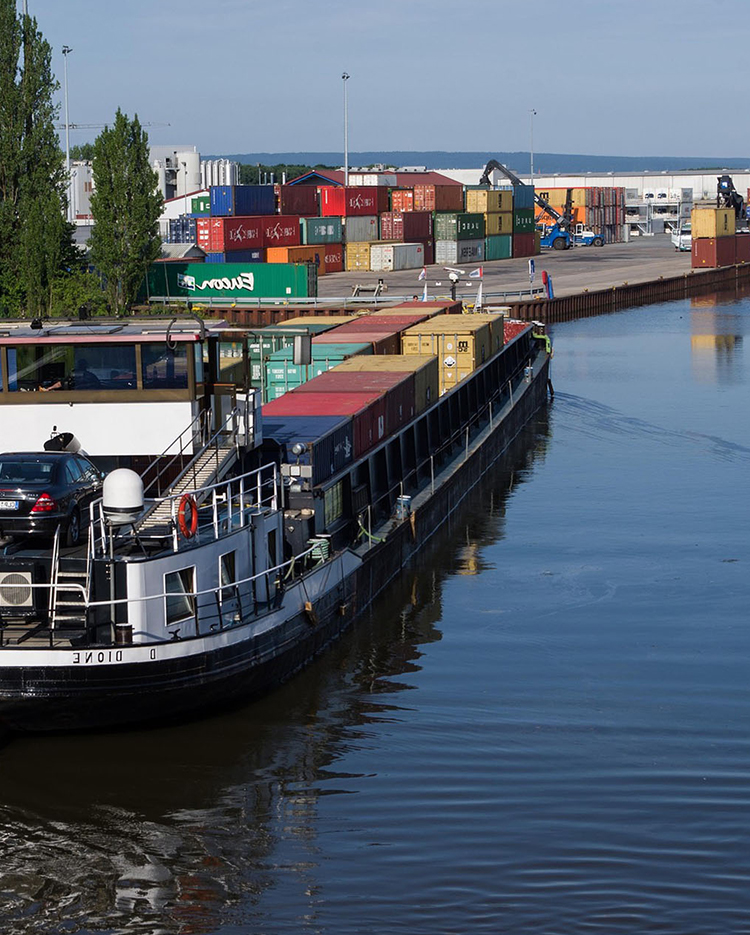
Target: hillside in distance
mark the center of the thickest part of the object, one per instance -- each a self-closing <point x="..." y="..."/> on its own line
<point x="544" y="163"/>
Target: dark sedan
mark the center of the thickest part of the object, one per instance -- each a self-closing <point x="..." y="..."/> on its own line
<point x="40" y="491"/>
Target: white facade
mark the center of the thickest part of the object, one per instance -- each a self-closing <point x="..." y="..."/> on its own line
<point x="81" y="187"/>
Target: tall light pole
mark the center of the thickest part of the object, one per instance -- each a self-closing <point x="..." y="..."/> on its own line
<point x="66" y="50"/>
<point x="345" y="78"/>
<point x="532" y="114"/>
<point x="184" y="194"/>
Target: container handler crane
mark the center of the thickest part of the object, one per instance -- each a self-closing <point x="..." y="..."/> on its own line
<point x="727" y="195"/>
<point x="561" y="234"/>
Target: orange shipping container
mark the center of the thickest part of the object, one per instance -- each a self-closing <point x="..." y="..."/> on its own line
<point x="312" y="254"/>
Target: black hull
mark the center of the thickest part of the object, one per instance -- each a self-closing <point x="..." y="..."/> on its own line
<point x="75" y="697"/>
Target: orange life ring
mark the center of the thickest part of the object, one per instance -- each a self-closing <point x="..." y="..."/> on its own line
<point x="188" y="530"/>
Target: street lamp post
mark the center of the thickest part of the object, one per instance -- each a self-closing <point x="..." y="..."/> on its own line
<point x="185" y="193"/>
<point x="532" y="114"/>
<point x="66" y="50"/>
<point x="345" y="78"/>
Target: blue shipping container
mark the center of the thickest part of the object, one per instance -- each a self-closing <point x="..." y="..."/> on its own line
<point x="237" y="256"/>
<point x="329" y="441"/>
<point x="242" y="200"/>
<point x="523" y="196"/>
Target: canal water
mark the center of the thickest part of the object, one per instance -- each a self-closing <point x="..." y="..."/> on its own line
<point x="545" y="728"/>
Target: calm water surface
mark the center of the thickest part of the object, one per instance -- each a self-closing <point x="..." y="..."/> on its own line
<point x="544" y="729"/>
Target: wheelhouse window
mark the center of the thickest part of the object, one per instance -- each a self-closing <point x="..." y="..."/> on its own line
<point x="227" y="576"/>
<point x="86" y="367"/>
<point x="179" y="586"/>
<point x="164" y="367"/>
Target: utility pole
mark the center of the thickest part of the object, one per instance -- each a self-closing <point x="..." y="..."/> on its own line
<point x="345" y="79"/>
<point x="66" y="50"/>
<point x="532" y="114"/>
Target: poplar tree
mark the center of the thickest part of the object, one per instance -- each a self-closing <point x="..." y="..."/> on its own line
<point x="35" y="239"/>
<point x="126" y="205"/>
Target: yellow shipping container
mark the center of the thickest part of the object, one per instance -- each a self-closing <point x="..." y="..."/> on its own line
<point x="304" y="320"/>
<point x="460" y="345"/>
<point x="424" y="308"/>
<point x="712" y="222"/>
<point x="357" y="256"/>
<point x="424" y="368"/>
<point x="498" y="224"/>
<point x="497" y="328"/>
<point x="488" y="201"/>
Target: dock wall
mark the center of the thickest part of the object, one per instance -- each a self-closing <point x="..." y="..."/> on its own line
<point x="628" y="295"/>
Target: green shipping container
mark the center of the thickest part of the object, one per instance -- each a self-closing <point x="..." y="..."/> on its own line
<point x="320" y="230"/>
<point x="523" y="221"/>
<point x="232" y="282"/>
<point x="451" y="226"/>
<point x="499" y="247"/>
<point x="283" y="375"/>
<point x="201" y="204"/>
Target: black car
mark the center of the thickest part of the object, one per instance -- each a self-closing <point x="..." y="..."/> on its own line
<point x="40" y="491"/>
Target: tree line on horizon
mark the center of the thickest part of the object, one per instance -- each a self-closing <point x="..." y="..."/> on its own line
<point x="42" y="272"/>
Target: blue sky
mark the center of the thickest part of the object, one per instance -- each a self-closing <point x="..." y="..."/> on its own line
<point x="624" y="77"/>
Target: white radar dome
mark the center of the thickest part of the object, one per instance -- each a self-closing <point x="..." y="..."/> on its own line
<point x="122" y="497"/>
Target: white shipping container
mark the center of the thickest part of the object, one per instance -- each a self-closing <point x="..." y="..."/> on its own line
<point x="373" y="178"/>
<point x="395" y="256"/>
<point x="459" y="251"/>
<point x="360" y="229"/>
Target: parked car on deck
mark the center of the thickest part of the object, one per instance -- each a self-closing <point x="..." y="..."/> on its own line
<point x="40" y="491"/>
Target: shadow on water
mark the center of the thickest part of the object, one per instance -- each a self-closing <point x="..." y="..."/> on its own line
<point x="177" y="830"/>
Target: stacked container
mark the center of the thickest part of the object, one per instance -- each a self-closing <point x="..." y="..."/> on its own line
<point x="599" y="209"/>
<point x="282" y="374"/>
<point x="497" y="207"/>
<point x="714" y="239"/>
<point x="459" y="238"/>
<point x="460" y="344"/>
<point x="424" y="369"/>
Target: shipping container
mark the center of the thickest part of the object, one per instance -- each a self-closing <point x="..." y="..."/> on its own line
<point x="242" y="200"/>
<point x="512" y="328"/>
<point x="499" y="247"/>
<point x="495" y="321"/>
<point x="201" y="282"/>
<point x="361" y="229"/>
<point x="523" y="221"/>
<point x="357" y="256"/>
<point x="220" y="235"/>
<point x="381" y="342"/>
<point x="712" y="222"/>
<point x="488" y="201"/>
<point x="429" y="252"/>
<point x="237" y="256"/>
<point x="459" y="344"/>
<point x="459" y="251"/>
<point x="524" y="245"/>
<point x="366" y="410"/>
<point x="495" y="224"/>
<point x="333" y="254"/>
<point x="280" y="231"/>
<point x="461" y="226"/>
<point x="328" y="441"/>
<point x="402" y="199"/>
<point x="438" y="198"/>
<point x="182" y="230"/>
<point x="407" y="226"/>
<point x="321" y="230"/>
<point x="313" y="254"/>
<point x="386" y="323"/>
<point x="397" y="387"/>
<point x="314" y="324"/>
<point x="298" y="199"/>
<point x="713" y="252"/>
<point x="352" y="202"/>
<point x="742" y="248"/>
<point x="396" y="256"/>
<point x="523" y="196"/>
<point x="424" y="367"/>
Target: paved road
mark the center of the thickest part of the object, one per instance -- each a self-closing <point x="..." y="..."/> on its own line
<point x="572" y="271"/>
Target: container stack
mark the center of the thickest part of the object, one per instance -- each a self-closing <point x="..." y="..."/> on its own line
<point x="596" y="208"/>
<point x="459" y="238"/>
<point x="497" y="208"/>
<point x="715" y="242"/>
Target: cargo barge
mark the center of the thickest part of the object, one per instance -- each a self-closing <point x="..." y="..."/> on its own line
<point x="216" y="569"/>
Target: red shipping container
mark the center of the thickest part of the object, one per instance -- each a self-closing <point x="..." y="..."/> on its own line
<point x="429" y="251"/>
<point x="742" y="248"/>
<point x="523" y="245"/>
<point x="402" y="199"/>
<point x="399" y="389"/>
<point x="382" y="342"/>
<point x="512" y="328"/>
<point x="334" y="257"/>
<point x="713" y="252"/>
<point x="438" y="198"/>
<point x="393" y="324"/>
<point x="366" y="409"/>
<point x="349" y="202"/>
<point x="406" y="226"/>
<point x="220" y="235"/>
<point x="299" y="199"/>
<point x="280" y="230"/>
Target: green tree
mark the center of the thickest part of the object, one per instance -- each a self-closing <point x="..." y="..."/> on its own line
<point x="126" y="205"/>
<point x="82" y="152"/>
<point x="35" y="239"/>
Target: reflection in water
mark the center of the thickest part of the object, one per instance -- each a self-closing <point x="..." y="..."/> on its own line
<point x="716" y="341"/>
<point x="179" y="830"/>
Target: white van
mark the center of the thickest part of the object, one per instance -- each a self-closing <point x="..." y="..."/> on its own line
<point x="682" y="237"/>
